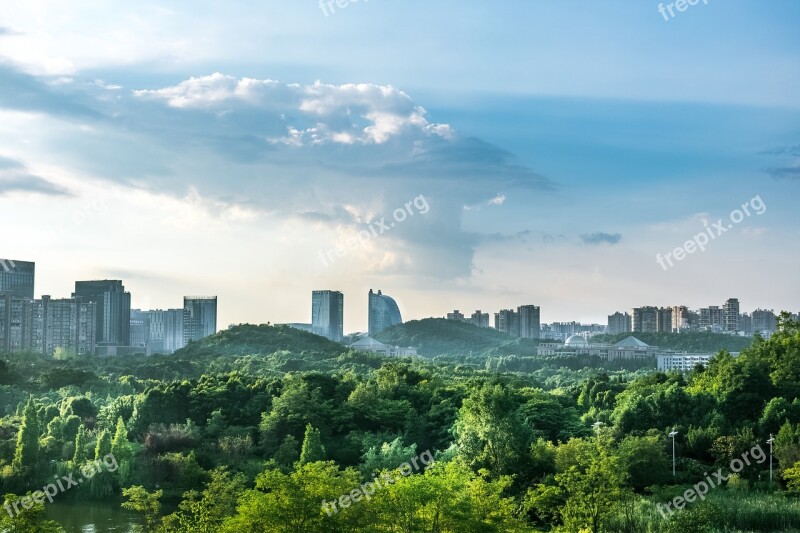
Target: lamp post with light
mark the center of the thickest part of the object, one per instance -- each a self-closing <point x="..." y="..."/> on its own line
<point x="672" y="435"/>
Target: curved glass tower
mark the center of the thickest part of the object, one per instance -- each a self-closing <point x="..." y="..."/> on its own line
<point x="383" y="312"/>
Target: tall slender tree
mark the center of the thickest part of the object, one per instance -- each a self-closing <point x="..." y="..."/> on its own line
<point x="27" y="451"/>
<point x="312" y="449"/>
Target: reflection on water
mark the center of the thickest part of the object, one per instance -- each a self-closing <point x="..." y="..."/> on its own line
<point x="92" y="517"/>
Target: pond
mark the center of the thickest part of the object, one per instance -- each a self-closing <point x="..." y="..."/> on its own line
<point x="92" y="517"/>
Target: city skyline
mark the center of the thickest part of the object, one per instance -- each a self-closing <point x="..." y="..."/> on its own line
<point x="341" y="311"/>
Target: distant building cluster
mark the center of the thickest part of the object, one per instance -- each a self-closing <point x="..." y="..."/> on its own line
<point x="726" y="318"/>
<point x="327" y="320"/>
<point x="523" y="322"/>
<point x="96" y="319"/>
<point x="478" y="318"/>
<point x="628" y="349"/>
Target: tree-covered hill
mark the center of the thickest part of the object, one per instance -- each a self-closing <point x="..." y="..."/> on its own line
<point x="699" y="341"/>
<point x="248" y="339"/>
<point x="438" y="336"/>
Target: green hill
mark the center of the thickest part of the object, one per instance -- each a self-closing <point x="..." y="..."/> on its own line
<point x="438" y="336"/>
<point x="700" y="341"/>
<point x="248" y="339"/>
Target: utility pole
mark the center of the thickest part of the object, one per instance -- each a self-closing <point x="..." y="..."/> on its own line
<point x="672" y="434"/>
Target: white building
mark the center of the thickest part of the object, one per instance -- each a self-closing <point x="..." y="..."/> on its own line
<point x="368" y="344"/>
<point x="682" y="362"/>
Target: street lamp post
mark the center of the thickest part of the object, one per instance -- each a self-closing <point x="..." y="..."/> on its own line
<point x="672" y="434"/>
<point x="770" y="442"/>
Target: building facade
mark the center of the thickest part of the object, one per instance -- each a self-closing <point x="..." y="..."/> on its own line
<point x="113" y="310"/>
<point x="69" y="326"/>
<point x="479" y="319"/>
<point x="199" y="317"/>
<point x="764" y="322"/>
<point x="507" y="321"/>
<point x="166" y="330"/>
<point x="383" y="312"/>
<point x="456" y="315"/>
<point x="730" y="315"/>
<point x="644" y="319"/>
<point x="680" y="318"/>
<point x="619" y="323"/>
<point x="47" y="326"/>
<point x="682" y="362"/>
<point x="17" y="278"/>
<point x="530" y="326"/>
<point x="664" y="320"/>
<point x="327" y="314"/>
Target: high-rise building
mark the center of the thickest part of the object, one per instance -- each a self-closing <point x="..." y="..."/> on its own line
<point x="12" y="311"/>
<point x="199" y="317"/>
<point x="693" y="319"/>
<point x="45" y="326"/>
<point x="529" y="322"/>
<point x="644" y="319"/>
<point x="764" y="322"/>
<point x="711" y="318"/>
<point x="17" y="278"/>
<point x="113" y="310"/>
<point x="664" y="320"/>
<point x="730" y="313"/>
<point x="327" y="314"/>
<point x="166" y="330"/>
<point x="507" y="321"/>
<point x="746" y="324"/>
<point x="140" y="328"/>
<point x="383" y="312"/>
<point x="680" y="318"/>
<point x="619" y="323"/>
<point x="69" y="326"/>
<point x="456" y="315"/>
<point x="479" y="319"/>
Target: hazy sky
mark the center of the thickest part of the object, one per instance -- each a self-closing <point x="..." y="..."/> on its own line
<point x="553" y="149"/>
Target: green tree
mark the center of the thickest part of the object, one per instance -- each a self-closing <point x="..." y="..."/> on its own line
<point x="120" y="445"/>
<point x="204" y="512"/>
<point x="30" y="520"/>
<point x="388" y="455"/>
<point x="592" y="483"/>
<point x="81" y="441"/>
<point x="147" y="503"/>
<point x="312" y="449"/>
<point x="102" y="483"/>
<point x="297" y="502"/>
<point x="492" y="433"/>
<point x="287" y="454"/>
<point x="27" y="451"/>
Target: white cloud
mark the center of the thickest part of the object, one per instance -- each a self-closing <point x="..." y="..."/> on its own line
<point x="346" y="114"/>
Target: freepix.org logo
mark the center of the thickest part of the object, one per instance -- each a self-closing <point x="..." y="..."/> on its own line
<point x="7" y="265"/>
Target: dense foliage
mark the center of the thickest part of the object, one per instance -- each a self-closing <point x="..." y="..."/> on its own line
<point x="253" y="428"/>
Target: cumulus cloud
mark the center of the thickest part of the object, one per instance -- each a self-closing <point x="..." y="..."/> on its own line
<point x="335" y="156"/>
<point x="601" y="238"/>
<point x="346" y="114"/>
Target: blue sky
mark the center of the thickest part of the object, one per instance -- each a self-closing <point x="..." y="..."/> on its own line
<point x="208" y="147"/>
